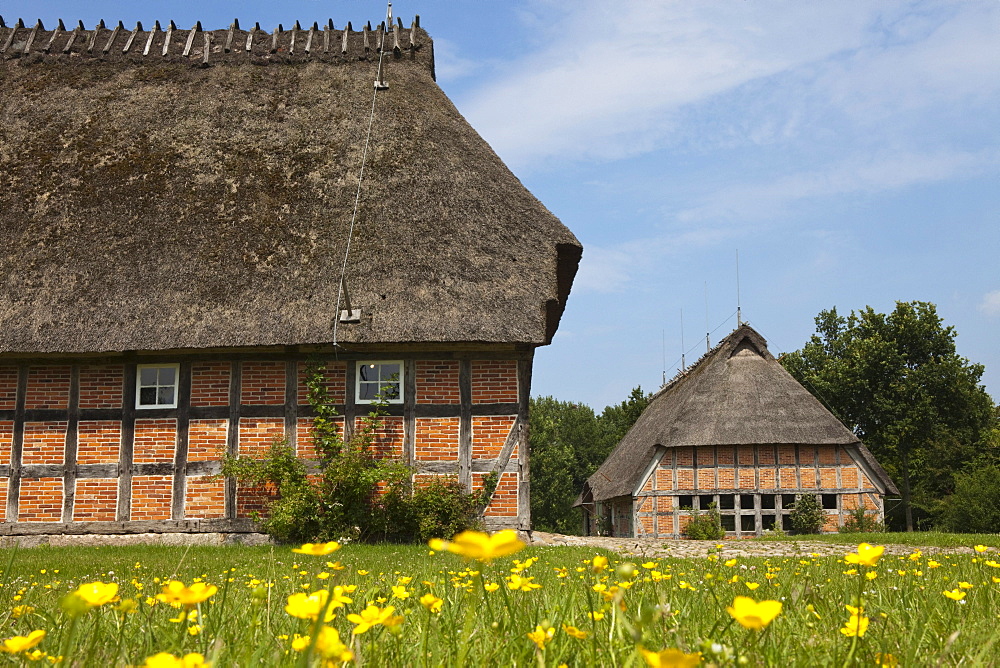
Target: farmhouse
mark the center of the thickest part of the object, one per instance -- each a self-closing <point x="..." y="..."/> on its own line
<point x="181" y="238"/>
<point x="735" y="430"/>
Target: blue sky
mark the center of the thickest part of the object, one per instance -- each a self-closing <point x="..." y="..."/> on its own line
<point x="849" y="151"/>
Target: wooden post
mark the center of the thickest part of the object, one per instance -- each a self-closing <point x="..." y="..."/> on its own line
<point x="131" y="37"/>
<point x="149" y="40"/>
<point x="207" y="48"/>
<point x="128" y="445"/>
<point x="31" y="37"/>
<point x="111" y="40"/>
<point x="17" y="445"/>
<point x="233" y="27"/>
<point x="233" y="435"/>
<point x="181" y="450"/>
<point x="20" y="24"/>
<point x="250" y="36"/>
<point x="523" y="456"/>
<point x="465" y="424"/>
<point x="409" y="411"/>
<point x="190" y="40"/>
<point x="274" y="39"/>
<point x="52" y="38"/>
<point x="93" y="36"/>
<point x="350" y="407"/>
<point x="166" y="38"/>
<point x="292" y="403"/>
<point x="72" y="443"/>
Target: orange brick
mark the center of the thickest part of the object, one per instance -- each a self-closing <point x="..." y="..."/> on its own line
<point x="685" y="456"/>
<point x="257" y="435"/>
<point x="44" y="443"/>
<point x="48" y="387"/>
<point x="437" y="439"/>
<point x="488" y="436"/>
<point x="828" y="477"/>
<point x="101" y="386"/>
<point x="808" y="476"/>
<point x="387" y="441"/>
<point x="263" y="384"/>
<point x="304" y="437"/>
<point x="767" y="479"/>
<point x="437" y="382"/>
<point x="747" y="479"/>
<point x="746" y="455"/>
<point x="152" y="496"/>
<point x="494" y="381"/>
<point x="648" y="485"/>
<point x="98" y="441"/>
<point x="96" y="500"/>
<point x="786" y="454"/>
<point x="787" y="478"/>
<point x="504" y="503"/>
<point x="685" y="479"/>
<point x="849" y="477"/>
<point x="644" y="504"/>
<point x="725" y="455"/>
<point x="41" y="500"/>
<point x="155" y="440"/>
<point x="210" y="383"/>
<point x="254" y="500"/>
<point x="727" y="478"/>
<point x="334" y="380"/>
<point x="706" y="455"/>
<point x="828" y="454"/>
<point x="205" y="497"/>
<point x="665" y="524"/>
<point x="664" y="478"/>
<point x="207" y="439"/>
<point x="706" y="478"/>
<point x="3" y="499"/>
<point x="765" y="455"/>
<point x="6" y="440"/>
<point x="8" y="387"/>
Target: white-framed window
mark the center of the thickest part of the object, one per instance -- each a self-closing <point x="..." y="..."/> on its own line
<point x="380" y="379"/>
<point x="156" y="385"/>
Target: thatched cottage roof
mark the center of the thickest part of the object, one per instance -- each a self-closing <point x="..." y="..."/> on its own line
<point x="165" y="188"/>
<point x="737" y="394"/>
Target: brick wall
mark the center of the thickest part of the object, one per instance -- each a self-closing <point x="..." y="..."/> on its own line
<point x="253" y="499"/>
<point x="98" y="441"/>
<point x="257" y="435"/>
<point x="6" y="440"/>
<point x="101" y="386"/>
<point x="48" y="387"/>
<point x="304" y="437"/>
<point x="504" y="503"/>
<point x="207" y="439"/>
<point x="151" y="497"/>
<point x="41" y="500"/>
<point x="44" y="443"/>
<point x="263" y="384"/>
<point x="387" y="441"/>
<point x="437" y="382"/>
<point x="96" y="500"/>
<point x="489" y="434"/>
<point x="155" y="440"/>
<point x="494" y="381"/>
<point x="205" y="497"/>
<point x="3" y="499"/>
<point x="8" y="387"/>
<point x="334" y="380"/>
<point x="210" y="383"/>
<point x="437" y="439"/>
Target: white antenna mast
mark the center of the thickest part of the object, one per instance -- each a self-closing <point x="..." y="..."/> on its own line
<point x="739" y="313"/>
<point x="663" y="346"/>
<point x="708" y="347"/>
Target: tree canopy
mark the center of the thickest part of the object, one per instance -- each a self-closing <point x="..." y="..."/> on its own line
<point x="568" y="442"/>
<point x="897" y="381"/>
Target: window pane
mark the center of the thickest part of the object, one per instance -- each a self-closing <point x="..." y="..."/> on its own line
<point x="830" y="501"/>
<point x="167" y="374"/>
<point x="368" y="391"/>
<point x="390" y="390"/>
<point x="147" y="376"/>
<point x="388" y="372"/>
<point x="727" y="501"/>
<point x="165" y="396"/>
<point x="787" y="501"/>
<point x="746" y="501"/>
<point x="369" y="372"/>
<point x="786" y="523"/>
<point x="147" y="396"/>
<point x="767" y="522"/>
<point x="685" y="502"/>
<point x="767" y="501"/>
<point x="706" y="500"/>
<point x="729" y="522"/>
<point x="748" y="523"/>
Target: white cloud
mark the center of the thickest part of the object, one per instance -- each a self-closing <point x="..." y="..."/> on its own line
<point x="991" y="304"/>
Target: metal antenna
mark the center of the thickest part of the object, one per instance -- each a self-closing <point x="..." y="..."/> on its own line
<point x="708" y="348"/>
<point x="739" y="313"/>
<point x="683" y="363"/>
<point x="663" y="346"/>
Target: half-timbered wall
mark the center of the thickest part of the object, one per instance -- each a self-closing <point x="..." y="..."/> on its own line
<point x="753" y="487"/>
<point x="77" y="455"/>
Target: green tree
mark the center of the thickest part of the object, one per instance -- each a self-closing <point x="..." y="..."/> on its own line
<point x="568" y="442"/>
<point x="897" y="381"/>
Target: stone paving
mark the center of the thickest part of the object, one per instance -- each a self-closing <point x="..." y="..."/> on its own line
<point x="658" y="548"/>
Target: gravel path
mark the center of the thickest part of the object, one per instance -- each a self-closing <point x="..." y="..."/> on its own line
<point x="657" y="548"/>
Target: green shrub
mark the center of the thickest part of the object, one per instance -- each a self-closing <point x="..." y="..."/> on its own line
<point x="807" y="514"/>
<point x="355" y="494"/>
<point x="858" y="521"/>
<point x="706" y="526"/>
<point x="974" y="507"/>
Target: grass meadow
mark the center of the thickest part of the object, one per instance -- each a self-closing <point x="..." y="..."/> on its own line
<point x="242" y="606"/>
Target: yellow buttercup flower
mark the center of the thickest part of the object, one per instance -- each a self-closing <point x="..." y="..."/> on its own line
<point x="980" y="548"/>
<point x="955" y="594"/>
<point x="519" y="583"/>
<point x="21" y="610"/>
<point x="176" y="592"/>
<point x="965" y="585"/>
<point x="574" y="632"/>
<point x="598" y="563"/>
<point x="541" y="636"/>
<point x="886" y="660"/>
<point x="369" y="617"/>
<point x="867" y="555"/>
<point x="165" y="660"/>
<point x="97" y="593"/>
<point x="307" y="606"/>
<point x="481" y="546"/>
<point x="22" y="643"/>
<point x="752" y="585"/>
<point x="491" y="586"/>
<point x="670" y="658"/>
<point x="857" y="624"/>
<point x="318" y="549"/>
<point x="753" y="615"/>
<point x="431" y="602"/>
<point x="400" y="592"/>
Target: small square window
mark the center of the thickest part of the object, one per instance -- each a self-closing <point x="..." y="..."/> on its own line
<point x="685" y="502"/>
<point x="767" y="501"/>
<point x="786" y="523"/>
<point x="156" y="386"/>
<point x="727" y="501"/>
<point x="829" y="501"/>
<point x="380" y="380"/>
<point x="748" y="523"/>
<point x="787" y="501"/>
<point x="746" y="501"/>
<point x="705" y="500"/>
<point x="767" y="522"/>
<point x="729" y="522"/>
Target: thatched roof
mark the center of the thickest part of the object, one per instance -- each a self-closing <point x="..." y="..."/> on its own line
<point x="737" y="394"/>
<point x="202" y="198"/>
